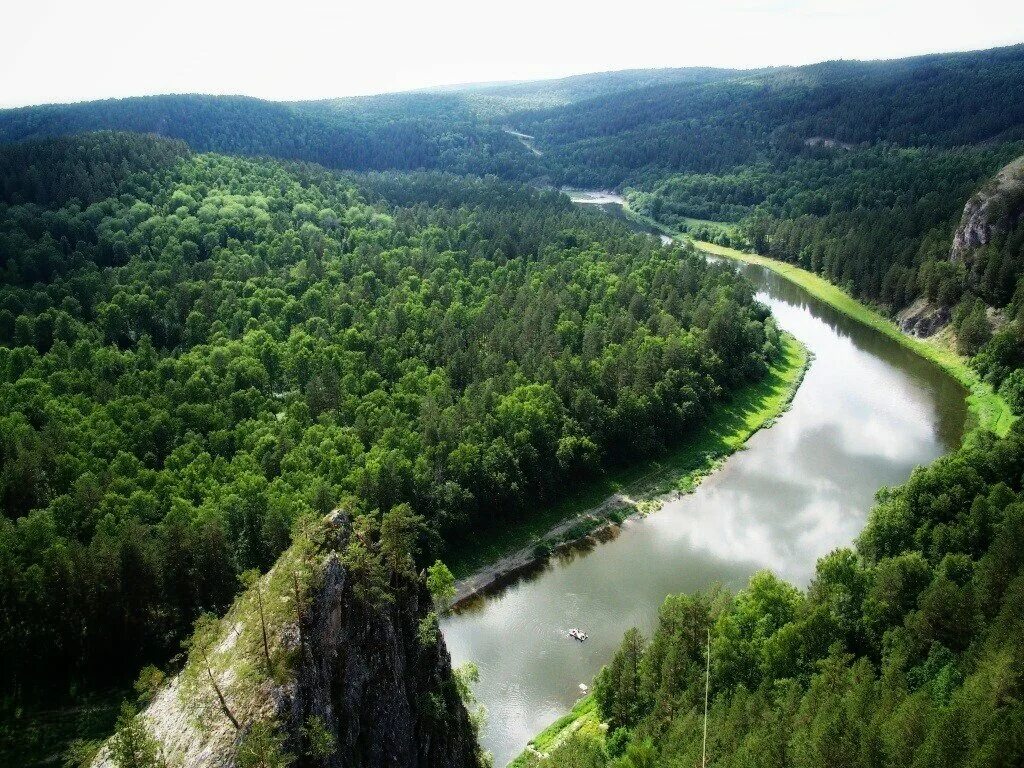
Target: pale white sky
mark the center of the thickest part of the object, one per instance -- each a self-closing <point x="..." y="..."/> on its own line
<point x="72" y="50"/>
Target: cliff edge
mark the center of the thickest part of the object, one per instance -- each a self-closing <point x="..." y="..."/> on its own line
<point x="333" y="659"/>
<point x="997" y="206"/>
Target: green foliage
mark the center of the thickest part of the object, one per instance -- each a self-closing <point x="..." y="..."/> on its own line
<point x="80" y="753"/>
<point x="713" y="126"/>
<point x="464" y="678"/>
<point x="617" y="689"/>
<point x="132" y="746"/>
<point x="404" y="131"/>
<point x="362" y="558"/>
<point x="878" y="219"/>
<point x="971" y="325"/>
<point x="400" y="529"/>
<point x="441" y="584"/>
<point x="318" y="739"/>
<point x="148" y="683"/>
<point x="428" y="631"/>
<point x="224" y="347"/>
<point x="263" y="746"/>
<point x="579" y="751"/>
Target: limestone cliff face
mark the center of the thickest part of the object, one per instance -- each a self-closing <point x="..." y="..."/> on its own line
<point x="390" y="699"/>
<point x="999" y="205"/>
<point x="359" y="667"/>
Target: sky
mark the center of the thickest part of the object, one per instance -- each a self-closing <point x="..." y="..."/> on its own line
<point x="75" y="50"/>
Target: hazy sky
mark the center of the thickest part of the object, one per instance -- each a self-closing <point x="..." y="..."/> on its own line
<point x="70" y="50"/>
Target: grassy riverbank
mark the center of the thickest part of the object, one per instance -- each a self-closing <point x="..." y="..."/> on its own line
<point x="582" y="717"/>
<point x="987" y="408"/>
<point x="629" y="490"/>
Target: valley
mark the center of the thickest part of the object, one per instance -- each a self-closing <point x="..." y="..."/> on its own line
<point x="619" y="420"/>
<point x="868" y="411"/>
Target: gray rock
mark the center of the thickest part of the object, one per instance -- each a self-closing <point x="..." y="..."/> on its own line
<point x="923" y="319"/>
<point x="997" y="206"/>
<point x="388" y="698"/>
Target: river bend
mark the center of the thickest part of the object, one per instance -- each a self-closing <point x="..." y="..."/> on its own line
<point x="868" y="412"/>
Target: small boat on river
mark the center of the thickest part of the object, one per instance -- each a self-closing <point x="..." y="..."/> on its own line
<point x="577" y="634"/>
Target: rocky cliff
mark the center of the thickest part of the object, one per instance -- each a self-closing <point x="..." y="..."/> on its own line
<point x="353" y="672"/>
<point x="923" y="319"/>
<point x="999" y="205"/>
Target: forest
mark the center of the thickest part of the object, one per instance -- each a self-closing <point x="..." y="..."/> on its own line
<point x="855" y="170"/>
<point x="214" y="349"/>
<point x="402" y="134"/>
<point x="904" y="650"/>
<point x="878" y="221"/>
<point x="718" y="124"/>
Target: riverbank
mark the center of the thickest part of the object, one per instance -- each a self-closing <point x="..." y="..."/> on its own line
<point x="988" y="410"/>
<point x="635" y="491"/>
<point x="582" y="718"/>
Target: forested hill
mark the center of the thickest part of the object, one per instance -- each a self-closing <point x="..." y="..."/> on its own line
<point x="601" y="129"/>
<point x="443" y="134"/>
<point x="82" y="168"/>
<point x="223" y="347"/>
<point x="710" y="126"/>
<point x="856" y="170"/>
<point x="456" y="129"/>
<point x="499" y="100"/>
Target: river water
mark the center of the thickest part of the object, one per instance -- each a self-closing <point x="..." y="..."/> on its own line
<point x="868" y="412"/>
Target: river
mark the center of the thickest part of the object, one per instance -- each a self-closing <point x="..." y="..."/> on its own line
<point x="868" y="412"/>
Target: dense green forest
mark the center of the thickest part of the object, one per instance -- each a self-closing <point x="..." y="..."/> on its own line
<point x="713" y="126"/>
<point x="222" y="346"/>
<point x="905" y="650"/>
<point x="857" y="170"/>
<point x="406" y="133"/>
<point x="878" y="221"/>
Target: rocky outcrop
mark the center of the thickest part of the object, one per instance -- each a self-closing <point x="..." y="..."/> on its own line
<point x="923" y="319"/>
<point x="362" y="666"/>
<point x="389" y="699"/>
<point x="998" y="206"/>
<point x="827" y="143"/>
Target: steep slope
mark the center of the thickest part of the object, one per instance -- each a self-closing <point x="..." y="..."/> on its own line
<point x="333" y="659"/>
<point x="996" y="208"/>
<point x="985" y="262"/>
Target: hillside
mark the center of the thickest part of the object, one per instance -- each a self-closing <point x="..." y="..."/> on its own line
<point x="333" y="658"/>
<point x="224" y="347"/>
<point x="381" y="135"/>
<point x="709" y="126"/>
<point x="856" y="170"/>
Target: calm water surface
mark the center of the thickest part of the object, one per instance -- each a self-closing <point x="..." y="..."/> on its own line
<point x="867" y="413"/>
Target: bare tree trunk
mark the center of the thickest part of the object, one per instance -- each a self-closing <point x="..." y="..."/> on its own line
<point x="220" y="694"/>
<point x="263" y="623"/>
<point x="707" y="687"/>
<point x="298" y="609"/>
